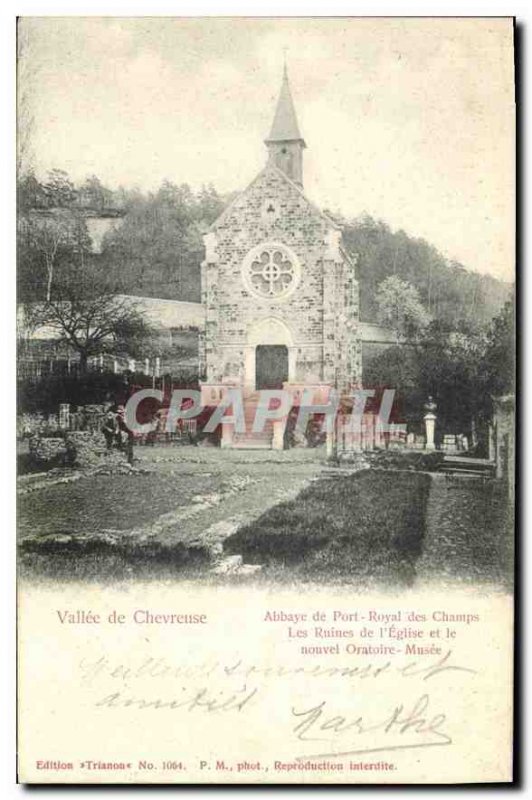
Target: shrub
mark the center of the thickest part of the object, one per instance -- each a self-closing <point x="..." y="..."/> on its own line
<point x="46" y="394"/>
<point x="397" y="459"/>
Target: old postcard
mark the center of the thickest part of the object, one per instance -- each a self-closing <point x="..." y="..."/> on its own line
<point x="266" y="397"/>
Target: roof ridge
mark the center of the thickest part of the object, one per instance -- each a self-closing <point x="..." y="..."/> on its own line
<point x="268" y="168"/>
<point x="230" y="205"/>
<point x="313" y="205"/>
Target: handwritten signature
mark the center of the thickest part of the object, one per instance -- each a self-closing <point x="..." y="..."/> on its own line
<point x="419" y="727"/>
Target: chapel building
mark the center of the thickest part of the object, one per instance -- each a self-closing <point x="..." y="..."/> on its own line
<point x="279" y="291"/>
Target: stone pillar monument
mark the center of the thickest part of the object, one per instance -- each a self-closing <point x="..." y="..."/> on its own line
<point x="430" y="423"/>
<point x="64" y="415"/>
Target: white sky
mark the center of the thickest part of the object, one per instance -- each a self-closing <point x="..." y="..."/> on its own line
<point x="411" y="121"/>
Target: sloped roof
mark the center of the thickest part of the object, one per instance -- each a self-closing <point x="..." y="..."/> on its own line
<point x="165" y="313"/>
<point x="285" y="127"/>
<point x="272" y="168"/>
<point x="162" y="313"/>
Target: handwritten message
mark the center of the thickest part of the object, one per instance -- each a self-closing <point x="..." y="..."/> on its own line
<point x="169" y="686"/>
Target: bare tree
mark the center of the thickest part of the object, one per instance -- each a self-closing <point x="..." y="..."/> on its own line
<point x="46" y="240"/>
<point x="91" y="326"/>
<point x="88" y="312"/>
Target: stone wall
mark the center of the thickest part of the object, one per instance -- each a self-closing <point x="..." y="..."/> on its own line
<point x="86" y="448"/>
<point x="504" y="421"/>
<point x="47" y="451"/>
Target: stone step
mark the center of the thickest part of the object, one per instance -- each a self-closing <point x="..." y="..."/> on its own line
<point x="249" y="436"/>
<point x="234" y="566"/>
<point x="249" y="569"/>
<point x="466" y="473"/>
<point x="481" y="462"/>
<point x="457" y="468"/>
<point x="249" y="419"/>
<point x="263" y="435"/>
<point x="227" y="565"/>
<point x="248" y="441"/>
<point x="249" y="424"/>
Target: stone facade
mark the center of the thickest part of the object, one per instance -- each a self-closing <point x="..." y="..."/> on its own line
<point x="317" y="321"/>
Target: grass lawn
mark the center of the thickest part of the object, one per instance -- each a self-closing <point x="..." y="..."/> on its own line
<point x="375" y="527"/>
<point x="386" y="528"/>
<point x="365" y="527"/>
<point x="92" y="528"/>
<point x="103" y="502"/>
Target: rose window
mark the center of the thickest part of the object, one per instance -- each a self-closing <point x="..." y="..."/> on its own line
<point x="271" y="271"/>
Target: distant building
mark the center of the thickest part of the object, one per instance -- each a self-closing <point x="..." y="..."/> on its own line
<point x="97" y="226"/>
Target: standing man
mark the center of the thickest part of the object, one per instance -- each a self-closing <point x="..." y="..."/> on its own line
<point x="126" y="436"/>
<point x="110" y="429"/>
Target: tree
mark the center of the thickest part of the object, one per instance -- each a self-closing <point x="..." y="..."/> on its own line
<point x="498" y="362"/>
<point x="59" y="190"/>
<point x="400" y="308"/>
<point x="88" y="313"/>
<point x="443" y="362"/>
<point x="45" y="241"/>
<point x="94" y="195"/>
<point x="30" y="194"/>
<point x="398" y="368"/>
<point x="449" y="361"/>
<point x="448" y="291"/>
<point x="209" y="204"/>
<point x="158" y="246"/>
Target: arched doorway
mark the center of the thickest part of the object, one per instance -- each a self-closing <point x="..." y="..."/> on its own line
<point x="270" y="357"/>
<point x="271" y="366"/>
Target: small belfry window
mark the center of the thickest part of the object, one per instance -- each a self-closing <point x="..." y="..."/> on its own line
<point x="271" y="271"/>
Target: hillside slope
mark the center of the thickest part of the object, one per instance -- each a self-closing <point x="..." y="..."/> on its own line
<point x="448" y="290"/>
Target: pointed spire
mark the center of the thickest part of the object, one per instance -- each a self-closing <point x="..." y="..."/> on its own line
<point x="285" y="127"/>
